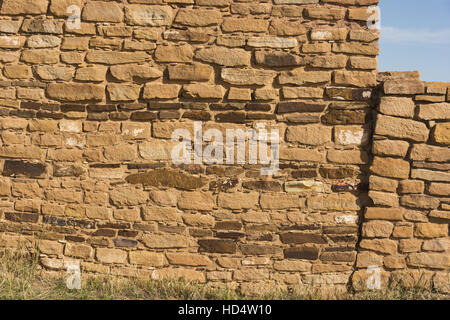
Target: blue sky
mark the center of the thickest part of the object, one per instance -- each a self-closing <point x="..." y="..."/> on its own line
<point x="415" y="35"/>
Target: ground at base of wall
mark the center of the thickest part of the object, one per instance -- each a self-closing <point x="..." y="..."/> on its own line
<point x="22" y="278"/>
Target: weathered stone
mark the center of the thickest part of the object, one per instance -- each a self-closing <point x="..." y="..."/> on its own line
<point x="217" y="246"/>
<point x="429" y="260"/>
<point x="19" y="7"/>
<point x="192" y="72"/>
<point x="75" y="91"/>
<point x="167" y="178"/>
<point x="394" y="106"/>
<point x="403" y="86"/>
<point x="272" y="42"/>
<point x="134" y="71"/>
<point x="441" y="134"/>
<point x="106" y="255"/>
<point x="174" y="53"/>
<point x="198" y="17"/>
<point x="394" y="214"/>
<point x="309" y="134"/>
<point x="377" y="229"/>
<point x="431" y="230"/>
<point x="102" y="12"/>
<point x="306" y="253"/>
<point x="197" y="201"/>
<point x="165" y="241"/>
<point x="154" y="16"/>
<point x="202" y="91"/>
<point x="390" y="168"/>
<point x="385" y="246"/>
<point x="247" y="76"/>
<point x="244" y="25"/>
<point x="151" y="259"/>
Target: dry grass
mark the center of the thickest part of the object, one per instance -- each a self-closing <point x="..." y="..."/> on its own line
<point x="20" y="279"/>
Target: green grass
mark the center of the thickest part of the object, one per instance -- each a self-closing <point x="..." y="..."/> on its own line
<point x="20" y="279"/>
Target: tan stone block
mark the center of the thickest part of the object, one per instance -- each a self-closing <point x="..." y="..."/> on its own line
<point x="390" y="168"/>
<point x="123" y="92"/>
<point x="366" y="259"/>
<point x="440" y="214"/>
<point x="419" y="201"/>
<point x="127" y="214"/>
<point x="434" y="111"/>
<point x="159" y="214"/>
<point x="102" y="12"/>
<point x="266" y="94"/>
<point x="441" y="133"/>
<point x="281" y="201"/>
<point x="78" y="251"/>
<point x="247" y="76"/>
<point x="411" y="186"/>
<point x="281" y="27"/>
<point x="198" y="17"/>
<point x="424" y="152"/>
<point x="37" y="56"/>
<point x="333" y="202"/>
<point x="377" y="229"/>
<point x="348" y="156"/>
<point x="384" y="199"/>
<point x="238" y="201"/>
<point x="395" y="106"/>
<point x="431" y="230"/>
<point x="355" y="78"/>
<point x="17" y="71"/>
<point x="106" y="255"/>
<point x="297" y="154"/>
<point x="363" y="63"/>
<point x="302" y="92"/>
<point x="438" y="245"/>
<point x="152" y="259"/>
<point x="50" y="247"/>
<point x="128" y="196"/>
<point x="112" y="57"/>
<point x="196" y="201"/>
<point x="202" y="91"/>
<point x="403" y="86"/>
<point x="329" y="61"/>
<point x="395" y="262"/>
<point x="241" y="94"/>
<point x="142" y="15"/>
<point x="244" y="25"/>
<point x="403" y="231"/>
<point x="174" y="53"/>
<point x="382" y="184"/>
<point x="161" y="91"/>
<point x="394" y="214"/>
<point x="43" y="125"/>
<point x="401" y="128"/>
<point x="410" y="245"/>
<point x="94" y="74"/>
<point x="75" y="91"/>
<point x="309" y="134"/>
<point x="165" y="241"/>
<point x="188" y="259"/>
<point x="439" y="189"/>
<point x="329" y="34"/>
<point x="429" y="260"/>
<point x="385" y="246"/>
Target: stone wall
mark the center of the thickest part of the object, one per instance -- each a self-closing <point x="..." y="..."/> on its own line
<point x="87" y="114"/>
<point x="406" y="229"/>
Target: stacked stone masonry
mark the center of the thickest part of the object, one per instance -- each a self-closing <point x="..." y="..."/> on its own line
<point x="87" y="114"/>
